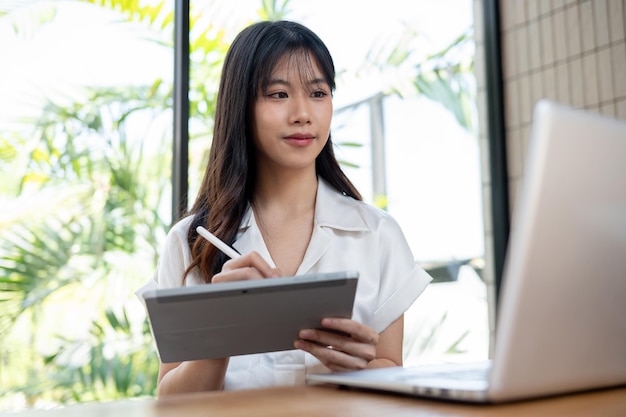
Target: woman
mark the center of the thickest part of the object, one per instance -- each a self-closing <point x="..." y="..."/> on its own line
<point x="274" y="191"/>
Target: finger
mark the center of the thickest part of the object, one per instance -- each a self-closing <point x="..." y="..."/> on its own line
<point x="333" y="359"/>
<point x="239" y="274"/>
<point x="356" y="330"/>
<point x="346" y="344"/>
<point x="252" y="260"/>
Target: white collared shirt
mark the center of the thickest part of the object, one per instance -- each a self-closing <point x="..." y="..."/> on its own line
<point x="347" y="235"/>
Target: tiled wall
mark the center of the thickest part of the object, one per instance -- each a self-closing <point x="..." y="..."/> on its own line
<point x="570" y="51"/>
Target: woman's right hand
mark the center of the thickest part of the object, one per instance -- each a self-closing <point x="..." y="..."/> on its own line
<point x="208" y="374"/>
<point x="246" y="267"/>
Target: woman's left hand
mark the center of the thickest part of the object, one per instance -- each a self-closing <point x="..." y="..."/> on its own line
<point x="347" y="345"/>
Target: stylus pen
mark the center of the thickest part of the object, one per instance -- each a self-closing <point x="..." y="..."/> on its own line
<point x="228" y="251"/>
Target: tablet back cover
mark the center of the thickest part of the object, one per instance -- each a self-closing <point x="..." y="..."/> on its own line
<point x="229" y="319"/>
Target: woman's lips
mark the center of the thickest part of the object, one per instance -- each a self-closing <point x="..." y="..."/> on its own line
<point x="300" y="139"/>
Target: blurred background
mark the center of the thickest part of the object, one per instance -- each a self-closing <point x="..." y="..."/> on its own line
<point x="86" y="128"/>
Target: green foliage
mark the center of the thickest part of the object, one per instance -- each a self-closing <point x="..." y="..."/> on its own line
<point x="114" y="360"/>
<point x="7" y="151"/>
<point x="29" y="257"/>
<point x="99" y="187"/>
<point x="450" y="82"/>
<point x="154" y="13"/>
<point x="83" y="222"/>
<point x="445" y="77"/>
<point x="27" y="20"/>
<point x="273" y="11"/>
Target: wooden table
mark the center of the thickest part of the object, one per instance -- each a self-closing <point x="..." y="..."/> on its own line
<point x="323" y="401"/>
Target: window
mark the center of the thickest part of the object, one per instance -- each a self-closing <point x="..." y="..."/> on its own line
<point x="86" y="145"/>
<point x="85" y="131"/>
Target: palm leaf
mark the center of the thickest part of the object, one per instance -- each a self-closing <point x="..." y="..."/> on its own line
<point x="442" y="86"/>
<point x="26" y="17"/>
<point x="31" y="263"/>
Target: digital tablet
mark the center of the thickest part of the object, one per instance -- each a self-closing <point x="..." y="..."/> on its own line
<point x="237" y="318"/>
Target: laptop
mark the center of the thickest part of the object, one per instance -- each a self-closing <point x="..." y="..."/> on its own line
<point x="242" y="317"/>
<point x="561" y="319"/>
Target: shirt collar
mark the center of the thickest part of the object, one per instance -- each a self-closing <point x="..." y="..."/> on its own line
<point x="332" y="209"/>
<point x="337" y="210"/>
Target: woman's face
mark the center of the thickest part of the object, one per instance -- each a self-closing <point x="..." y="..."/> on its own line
<point x="292" y="116"/>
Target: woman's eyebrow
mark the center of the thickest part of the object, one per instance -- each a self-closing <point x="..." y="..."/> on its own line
<point x="280" y="81"/>
<point x="318" y="81"/>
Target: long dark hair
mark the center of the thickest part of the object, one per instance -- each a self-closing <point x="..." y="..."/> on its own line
<point x="229" y="180"/>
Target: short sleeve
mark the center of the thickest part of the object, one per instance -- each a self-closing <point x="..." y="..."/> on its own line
<point x="402" y="280"/>
<point x="174" y="260"/>
<point x="175" y="257"/>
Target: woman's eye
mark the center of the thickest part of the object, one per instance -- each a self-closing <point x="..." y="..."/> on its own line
<point x="319" y="94"/>
<point x="279" y="94"/>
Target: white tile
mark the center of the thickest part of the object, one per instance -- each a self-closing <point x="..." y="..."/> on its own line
<point x="525" y="139"/>
<point x="562" y="83"/>
<point x="608" y="109"/>
<point x="560" y="35"/>
<point x="547" y="44"/>
<point x="618" y="65"/>
<point x="605" y="75"/>
<point x="593" y="108"/>
<point x="590" y="81"/>
<point x="522" y="49"/>
<point x="585" y="14"/>
<point x="525" y="109"/>
<point x="507" y="14"/>
<point x="620" y="109"/>
<point x="576" y="82"/>
<point x="601" y="22"/>
<point x="616" y="20"/>
<point x="549" y="83"/>
<point x="573" y="31"/>
<point x="521" y="16"/>
<point x="533" y="9"/>
<point x="537" y="91"/>
<point x="534" y="46"/>
<point x="545" y="7"/>
<point x="509" y="53"/>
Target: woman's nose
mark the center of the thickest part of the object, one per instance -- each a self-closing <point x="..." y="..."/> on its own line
<point x="300" y="111"/>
